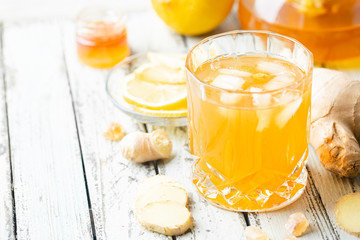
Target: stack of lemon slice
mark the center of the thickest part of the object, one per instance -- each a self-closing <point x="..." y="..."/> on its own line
<point x="158" y="88"/>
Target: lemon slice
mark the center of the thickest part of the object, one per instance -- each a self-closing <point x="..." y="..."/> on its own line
<point x="152" y="95"/>
<point x="160" y="73"/>
<point x="176" y="61"/>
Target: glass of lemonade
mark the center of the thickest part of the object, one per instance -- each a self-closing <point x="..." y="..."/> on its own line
<point x="249" y="117"/>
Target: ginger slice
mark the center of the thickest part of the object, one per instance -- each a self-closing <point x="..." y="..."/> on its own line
<point x="297" y="224"/>
<point x="151" y="181"/>
<point x="115" y="132"/>
<point x="160" y="193"/>
<point x="167" y="217"/>
<point x="156" y="180"/>
<point x="347" y="213"/>
<point x="161" y="206"/>
<point x="255" y="233"/>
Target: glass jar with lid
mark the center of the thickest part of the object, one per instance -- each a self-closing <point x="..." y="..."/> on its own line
<point x="101" y="36"/>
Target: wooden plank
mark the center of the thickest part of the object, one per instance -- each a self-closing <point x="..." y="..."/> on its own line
<point x="6" y="208"/>
<point x="50" y="194"/>
<point x="210" y="222"/>
<point x="112" y="180"/>
<point x="330" y="188"/>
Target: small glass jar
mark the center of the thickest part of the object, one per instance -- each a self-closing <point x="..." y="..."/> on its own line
<point x="101" y="36"/>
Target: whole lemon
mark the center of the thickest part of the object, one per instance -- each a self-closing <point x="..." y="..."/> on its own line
<point x="192" y="17"/>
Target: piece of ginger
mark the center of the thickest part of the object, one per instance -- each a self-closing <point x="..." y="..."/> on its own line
<point x="162" y="192"/>
<point x="142" y="147"/>
<point x="255" y="233"/>
<point x="335" y="121"/>
<point x="161" y="206"/>
<point x="115" y="132"/>
<point x="297" y="224"/>
<point x="168" y="218"/>
<point x="153" y="181"/>
<point x="347" y="213"/>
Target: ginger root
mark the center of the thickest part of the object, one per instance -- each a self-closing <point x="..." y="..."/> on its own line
<point x="347" y="213"/>
<point x="335" y="121"/>
<point x="297" y="224"/>
<point x="255" y="233"/>
<point x="115" y="132"/>
<point x="142" y="147"/>
<point x="161" y="206"/>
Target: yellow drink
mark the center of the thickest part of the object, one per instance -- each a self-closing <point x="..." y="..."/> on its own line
<point x="249" y="130"/>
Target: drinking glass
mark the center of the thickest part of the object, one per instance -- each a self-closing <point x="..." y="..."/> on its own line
<point x="248" y="157"/>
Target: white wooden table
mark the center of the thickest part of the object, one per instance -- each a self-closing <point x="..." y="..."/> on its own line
<point x="59" y="177"/>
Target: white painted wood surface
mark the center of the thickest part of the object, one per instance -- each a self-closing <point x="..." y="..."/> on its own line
<point x="6" y="203"/>
<point x="48" y="181"/>
<point x="58" y="110"/>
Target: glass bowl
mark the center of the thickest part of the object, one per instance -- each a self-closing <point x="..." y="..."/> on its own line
<point x="113" y="88"/>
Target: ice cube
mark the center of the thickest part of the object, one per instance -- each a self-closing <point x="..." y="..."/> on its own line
<point x="285" y="78"/>
<point x="288" y="96"/>
<point x="264" y="118"/>
<point x="228" y="82"/>
<point x="271" y="67"/>
<point x="273" y="85"/>
<point x="290" y="109"/>
<point x="279" y="81"/>
<point x="230" y="98"/>
<point x="234" y="72"/>
<point x="260" y="99"/>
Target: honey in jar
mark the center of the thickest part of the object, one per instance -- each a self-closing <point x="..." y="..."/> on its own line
<point x="101" y="37"/>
